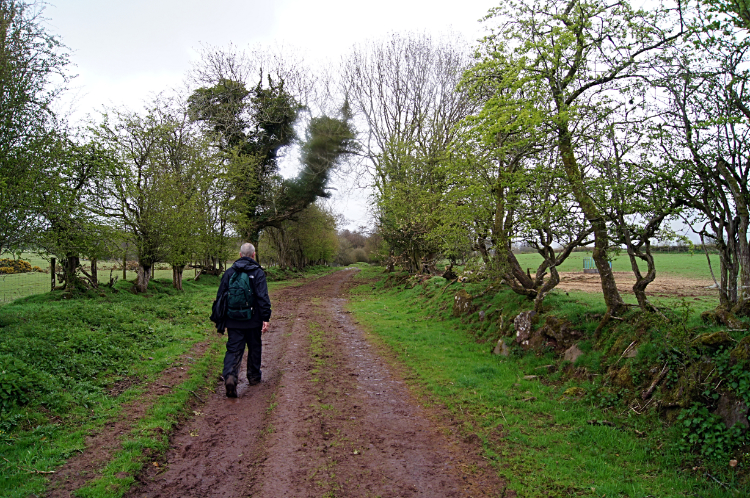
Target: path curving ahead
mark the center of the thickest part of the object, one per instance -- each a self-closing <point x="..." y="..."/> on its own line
<point x="329" y="419"/>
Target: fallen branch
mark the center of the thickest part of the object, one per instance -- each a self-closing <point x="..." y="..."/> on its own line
<point x="648" y="392"/>
<point x="451" y="283"/>
<point x="625" y="352"/>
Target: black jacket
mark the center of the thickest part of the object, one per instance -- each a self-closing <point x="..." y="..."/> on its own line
<point x="219" y="312"/>
<point x="261" y="301"/>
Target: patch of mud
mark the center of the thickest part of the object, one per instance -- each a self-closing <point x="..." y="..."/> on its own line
<point x="100" y="446"/>
<point x="330" y="418"/>
<point x="123" y="385"/>
<point x="662" y="286"/>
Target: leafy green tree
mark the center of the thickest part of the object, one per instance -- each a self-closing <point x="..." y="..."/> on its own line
<point x="572" y="57"/>
<point x="69" y="229"/>
<point x="705" y="133"/>
<point x="32" y="74"/>
<point x="635" y="200"/>
<point x="309" y="239"/>
<point x="252" y="127"/>
<point x="146" y="190"/>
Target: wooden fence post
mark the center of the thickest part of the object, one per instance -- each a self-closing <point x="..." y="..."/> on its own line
<point x="94" y="273"/>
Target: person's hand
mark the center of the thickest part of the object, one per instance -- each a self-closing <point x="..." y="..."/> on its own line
<point x="265" y="328"/>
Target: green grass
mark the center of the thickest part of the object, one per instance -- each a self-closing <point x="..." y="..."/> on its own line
<point x="59" y="357"/>
<point x="674" y="264"/>
<point x="541" y="442"/>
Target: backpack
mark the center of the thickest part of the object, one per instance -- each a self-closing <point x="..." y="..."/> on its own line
<point x="239" y="297"/>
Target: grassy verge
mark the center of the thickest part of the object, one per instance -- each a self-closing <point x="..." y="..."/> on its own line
<point x="551" y="428"/>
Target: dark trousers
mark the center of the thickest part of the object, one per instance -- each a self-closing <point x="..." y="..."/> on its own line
<point x="236" y="340"/>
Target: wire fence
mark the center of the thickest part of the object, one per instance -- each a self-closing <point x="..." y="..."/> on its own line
<point x="18" y="285"/>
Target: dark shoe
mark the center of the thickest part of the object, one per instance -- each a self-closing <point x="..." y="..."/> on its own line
<point x="254" y="381"/>
<point x="231" y="385"/>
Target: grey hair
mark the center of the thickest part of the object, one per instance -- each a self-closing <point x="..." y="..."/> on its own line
<point x="247" y="250"/>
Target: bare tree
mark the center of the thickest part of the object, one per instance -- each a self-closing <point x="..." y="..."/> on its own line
<point x="403" y="90"/>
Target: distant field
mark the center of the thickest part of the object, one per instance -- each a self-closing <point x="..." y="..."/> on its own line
<point x="693" y="266"/>
<point x="27" y="284"/>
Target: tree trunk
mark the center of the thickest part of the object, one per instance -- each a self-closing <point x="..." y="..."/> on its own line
<point x="641" y="282"/>
<point x="52" y="270"/>
<point x="550" y="284"/>
<point x="601" y="238"/>
<point x="742" y="260"/>
<point x="144" y="276"/>
<point x="70" y="267"/>
<point x="125" y="265"/>
<point x="177" y="276"/>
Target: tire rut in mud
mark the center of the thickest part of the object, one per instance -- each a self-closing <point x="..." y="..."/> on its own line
<point x="101" y="446"/>
<point x="329" y="419"/>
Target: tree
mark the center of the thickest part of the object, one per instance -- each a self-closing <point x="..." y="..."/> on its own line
<point x="503" y="191"/>
<point x="32" y="71"/>
<point x="148" y="187"/>
<point x="632" y="195"/>
<point x="190" y="171"/>
<point x="404" y="88"/>
<point x="571" y="56"/>
<point x="68" y="228"/>
<point x="310" y="239"/>
<point x="252" y="127"/>
<point x="706" y="134"/>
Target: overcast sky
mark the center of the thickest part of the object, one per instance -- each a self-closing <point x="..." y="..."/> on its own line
<point x="124" y="51"/>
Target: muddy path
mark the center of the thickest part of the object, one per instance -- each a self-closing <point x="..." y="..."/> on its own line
<point x="330" y="418"/>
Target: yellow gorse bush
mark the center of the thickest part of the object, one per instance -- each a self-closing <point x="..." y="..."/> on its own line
<point x="8" y="266"/>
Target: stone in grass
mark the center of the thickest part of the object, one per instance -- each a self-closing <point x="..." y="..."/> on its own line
<point x="721" y="316"/>
<point x="462" y="304"/>
<point x="732" y="411"/>
<point x="572" y="353"/>
<point x="522" y="322"/>
<point x="501" y="348"/>
<point x="713" y="339"/>
<point x="530" y="377"/>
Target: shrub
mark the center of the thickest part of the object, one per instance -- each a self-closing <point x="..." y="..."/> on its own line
<point x="8" y="266"/>
<point x="360" y="256"/>
<point x="705" y="433"/>
<point x="17" y="381"/>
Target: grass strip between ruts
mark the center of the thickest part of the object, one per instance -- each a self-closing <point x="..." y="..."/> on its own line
<point x="150" y="438"/>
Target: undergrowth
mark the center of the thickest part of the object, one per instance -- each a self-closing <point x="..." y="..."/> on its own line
<point x="585" y="428"/>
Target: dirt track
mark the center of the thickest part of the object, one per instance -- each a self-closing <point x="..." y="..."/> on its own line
<point x="663" y="286"/>
<point x="329" y="419"/>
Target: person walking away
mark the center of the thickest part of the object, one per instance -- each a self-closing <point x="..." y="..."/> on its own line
<point x="247" y="316"/>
